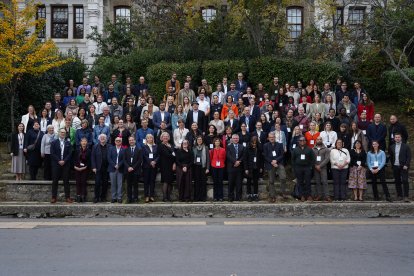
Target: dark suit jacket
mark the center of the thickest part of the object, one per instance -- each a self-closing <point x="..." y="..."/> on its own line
<point x="112" y="154"/>
<point x="146" y="161"/>
<point x="156" y="119"/>
<point x="96" y="157"/>
<point x="252" y="122"/>
<point x="76" y="159"/>
<point x="268" y="149"/>
<point x="201" y="120"/>
<point x="263" y="136"/>
<point x="55" y="152"/>
<point x="231" y="157"/>
<point x="241" y="87"/>
<point x="136" y="161"/>
<point x="235" y="126"/>
<point x="14" y="144"/>
<point x="404" y="156"/>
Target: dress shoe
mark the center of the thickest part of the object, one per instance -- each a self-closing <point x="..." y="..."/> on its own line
<point x="113" y="201"/>
<point x="230" y="200"/>
<point x="69" y="200"/>
<point x="78" y="199"/>
<point x="147" y="200"/>
<point x="317" y="198"/>
<point x="388" y="198"/>
<point x="53" y="200"/>
<point x="302" y="199"/>
<point x="406" y="199"/>
<point x="119" y="201"/>
<point x="328" y="199"/>
<point x="310" y="199"/>
<point x="103" y="199"/>
<point x="95" y="200"/>
<point x="83" y="198"/>
<point x="400" y="198"/>
<point x="152" y="199"/>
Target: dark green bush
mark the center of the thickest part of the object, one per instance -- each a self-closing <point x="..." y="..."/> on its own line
<point x="214" y="70"/>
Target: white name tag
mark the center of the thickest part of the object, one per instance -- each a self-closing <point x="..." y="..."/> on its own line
<point x="244" y="144"/>
<point x="348" y="111"/>
<point x="211" y="146"/>
<point x="261" y="99"/>
<point x="132" y="159"/>
<point x="173" y="153"/>
<point x="151" y="156"/>
<point x="144" y="141"/>
<point x="312" y="142"/>
<point x="318" y="158"/>
<point x="177" y="123"/>
<point x="364" y="131"/>
<point x="280" y="104"/>
<point x="302" y="157"/>
<point x="82" y="165"/>
<point x="341" y="159"/>
<point x="301" y="126"/>
<point x="180" y="141"/>
<point x="359" y="163"/>
<point x="288" y="129"/>
<point x="217" y="163"/>
<point x="254" y="159"/>
<point x="364" y="111"/>
<point x="293" y="146"/>
<point x="198" y="160"/>
<point x="375" y="163"/>
<point x="274" y="153"/>
<point x="392" y="135"/>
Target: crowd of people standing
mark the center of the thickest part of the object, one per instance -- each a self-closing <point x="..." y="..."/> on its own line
<point x="117" y="132"/>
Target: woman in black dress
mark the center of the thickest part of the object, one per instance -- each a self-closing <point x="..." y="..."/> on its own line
<point x="201" y="168"/>
<point x="345" y="136"/>
<point x="254" y="160"/>
<point x="184" y="162"/>
<point x="193" y="133"/>
<point x="150" y="159"/>
<point x="121" y="132"/>
<point x="244" y="135"/>
<point x="209" y="138"/>
<point x="167" y="165"/>
<point x="32" y="144"/>
<point x="81" y="166"/>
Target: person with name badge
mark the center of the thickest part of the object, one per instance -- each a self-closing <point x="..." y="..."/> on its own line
<point x="184" y="160"/>
<point x="167" y="165"/>
<point x="320" y="171"/>
<point x="357" y="176"/>
<point x="329" y="136"/>
<point x="376" y="165"/>
<point x="244" y="135"/>
<point x="218" y="159"/>
<point x="340" y="159"/>
<point x="303" y="161"/>
<point x="210" y="136"/>
<point x="311" y="135"/>
<point x="116" y="169"/>
<point x="201" y="168"/>
<point x="179" y="134"/>
<point x="18" y="158"/>
<point x="254" y="162"/>
<point x="150" y="159"/>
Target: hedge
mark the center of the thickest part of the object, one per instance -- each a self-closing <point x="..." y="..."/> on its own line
<point x="396" y="86"/>
<point x="214" y="71"/>
<point x="159" y="73"/>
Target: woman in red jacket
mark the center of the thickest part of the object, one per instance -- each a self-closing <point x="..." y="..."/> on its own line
<point x="367" y="106"/>
<point x="217" y="159"/>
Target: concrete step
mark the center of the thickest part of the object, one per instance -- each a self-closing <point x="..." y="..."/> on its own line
<point x="219" y="210"/>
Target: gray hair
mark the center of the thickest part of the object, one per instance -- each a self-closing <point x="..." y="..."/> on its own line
<point x="102" y="135"/>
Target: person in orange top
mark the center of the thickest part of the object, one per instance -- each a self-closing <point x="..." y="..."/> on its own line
<point x="311" y="135"/>
<point x="217" y="159"/>
<point x="174" y="83"/>
<point x="229" y="105"/>
<point x="367" y="106"/>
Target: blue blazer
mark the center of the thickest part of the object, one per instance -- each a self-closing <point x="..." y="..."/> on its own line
<point x="112" y="154"/>
<point x="241" y="87"/>
<point x="156" y="120"/>
<point x="140" y="136"/>
<point x="55" y="153"/>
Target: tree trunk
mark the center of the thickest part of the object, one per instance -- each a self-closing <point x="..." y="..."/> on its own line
<point x="12" y="111"/>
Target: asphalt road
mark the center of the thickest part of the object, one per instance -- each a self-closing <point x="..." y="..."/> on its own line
<point x="207" y="247"/>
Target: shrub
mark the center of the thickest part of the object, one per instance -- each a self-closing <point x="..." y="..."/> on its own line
<point x="214" y="70"/>
<point x="396" y="87"/>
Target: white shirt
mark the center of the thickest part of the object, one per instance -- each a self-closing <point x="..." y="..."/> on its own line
<point x="62" y="148"/>
<point x="203" y="105"/>
<point x="195" y="116"/>
<point x="99" y="107"/>
<point x="329" y="138"/>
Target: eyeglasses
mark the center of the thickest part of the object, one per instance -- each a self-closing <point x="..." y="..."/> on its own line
<point x="118" y="140"/>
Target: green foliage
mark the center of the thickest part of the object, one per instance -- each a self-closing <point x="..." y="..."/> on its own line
<point x="214" y="70"/>
<point x="396" y="87"/>
<point x="75" y="69"/>
<point x="159" y="73"/>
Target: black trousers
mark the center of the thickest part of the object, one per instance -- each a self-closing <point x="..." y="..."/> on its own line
<point x="339" y="181"/>
<point x="303" y="179"/>
<point x="200" y="183"/>
<point x="61" y="172"/>
<point x="33" y="172"/>
<point x="81" y="182"/>
<point x="132" y="186"/>
<point x="381" y="176"/>
<point x="101" y="183"/>
<point x="253" y="177"/>
<point x="217" y="174"/>
<point x="47" y="172"/>
<point x="235" y="182"/>
<point x="149" y="181"/>
<point x="401" y="177"/>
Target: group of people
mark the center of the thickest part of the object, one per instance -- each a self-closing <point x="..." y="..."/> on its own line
<point x="119" y="133"/>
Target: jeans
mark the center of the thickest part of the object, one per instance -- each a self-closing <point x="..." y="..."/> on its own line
<point x="339" y="182"/>
<point x="116" y="184"/>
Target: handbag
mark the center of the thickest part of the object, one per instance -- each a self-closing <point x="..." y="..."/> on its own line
<point x="32" y="146"/>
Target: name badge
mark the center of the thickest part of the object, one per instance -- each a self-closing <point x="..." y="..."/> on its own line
<point x="261" y="99"/>
<point x="211" y="146"/>
<point x="365" y="132"/>
<point x="180" y="141"/>
<point x="177" y="123"/>
<point x="273" y="153"/>
<point x="132" y="159"/>
<point x="144" y="141"/>
<point x="392" y="135"/>
<point x="301" y="126"/>
<point x="319" y="158"/>
<point x="341" y="159"/>
<point x="359" y="163"/>
<point x="288" y="129"/>
<point x="254" y="159"/>
<point x="375" y="163"/>
<point x="173" y="153"/>
<point x="312" y="142"/>
<point x="109" y="101"/>
<point x="280" y="104"/>
<point x="302" y="157"/>
<point x="151" y="156"/>
<point x="364" y="111"/>
<point x="82" y="165"/>
<point x="294" y="146"/>
<point x="217" y="163"/>
<point x="348" y="111"/>
<point x="244" y="144"/>
<point x="198" y="160"/>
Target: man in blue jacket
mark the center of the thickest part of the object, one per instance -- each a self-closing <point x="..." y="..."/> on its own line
<point x="116" y="169"/>
<point x="377" y="131"/>
<point x="142" y="133"/>
<point x="61" y="155"/>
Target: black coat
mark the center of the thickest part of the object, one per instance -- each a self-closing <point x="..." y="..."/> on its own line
<point x="135" y="163"/>
<point x="167" y="159"/>
<point x="404" y="157"/>
<point x="231" y="157"/>
<point x="250" y="158"/>
<point x="201" y="120"/>
<point x="33" y="157"/>
<point x="14" y="148"/>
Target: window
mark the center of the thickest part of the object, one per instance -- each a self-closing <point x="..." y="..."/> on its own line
<point x="339" y="17"/>
<point x="41" y="14"/>
<point x="294" y="22"/>
<point x="122" y="13"/>
<point x="356" y="20"/>
<point x="209" y="14"/>
<point x="78" y="22"/>
<point x="60" y="24"/>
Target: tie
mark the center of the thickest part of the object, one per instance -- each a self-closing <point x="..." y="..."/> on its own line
<point x="247" y="123"/>
<point x="61" y="149"/>
<point x="236" y="147"/>
<point x="132" y="150"/>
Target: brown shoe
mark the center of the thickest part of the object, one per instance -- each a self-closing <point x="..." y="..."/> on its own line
<point x="147" y="200"/>
<point x="69" y="200"/>
<point x="53" y="200"/>
<point x="328" y="199"/>
<point x="302" y="199"/>
<point x="317" y="198"/>
<point x="310" y="199"/>
<point x="152" y="199"/>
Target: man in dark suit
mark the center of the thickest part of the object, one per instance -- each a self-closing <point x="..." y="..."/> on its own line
<point x="99" y="160"/>
<point x="196" y="116"/>
<point x="248" y="120"/>
<point x="233" y="123"/>
<point x="400" y="156"/>
<point x="116" y="169"/>
<point x="241" y="84"/>
<point x="377" y="131"/>
<point x="161" y="116"/>
<point x="61" y="154"/>
<point x="132" y="162"/>
<point x="236" y="164"/>
<point x="260" y="134"/>
<point x="254" y="110"/>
